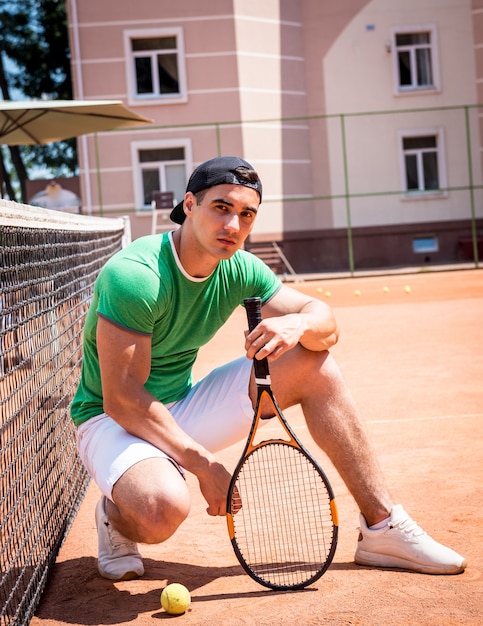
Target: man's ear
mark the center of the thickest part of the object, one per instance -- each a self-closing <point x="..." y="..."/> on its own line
<point x="189" y="202"/>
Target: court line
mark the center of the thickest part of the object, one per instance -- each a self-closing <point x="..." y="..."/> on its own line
<point x="425" y="419"/>
<point x="400" y="420"/>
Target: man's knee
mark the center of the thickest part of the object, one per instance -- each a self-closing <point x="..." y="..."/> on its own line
<point x="153" y="498"/>
<point x="161" y="516"/>
<point x="300" y="371"/>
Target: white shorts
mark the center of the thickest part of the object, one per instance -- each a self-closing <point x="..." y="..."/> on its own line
<point x="217" y="412"/>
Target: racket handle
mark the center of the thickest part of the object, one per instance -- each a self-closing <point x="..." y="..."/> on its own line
<point x="253" y="308"/>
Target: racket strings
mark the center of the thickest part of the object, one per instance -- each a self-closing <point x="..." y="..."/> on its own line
<point x="284" y="531"/>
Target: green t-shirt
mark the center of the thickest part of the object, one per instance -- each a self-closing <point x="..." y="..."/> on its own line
<point x="144" y="288"/>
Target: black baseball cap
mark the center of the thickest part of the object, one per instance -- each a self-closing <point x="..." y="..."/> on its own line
<point x="217" y="171"/>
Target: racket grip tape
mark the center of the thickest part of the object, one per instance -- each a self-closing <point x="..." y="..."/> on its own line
<point x="253" y="308"/>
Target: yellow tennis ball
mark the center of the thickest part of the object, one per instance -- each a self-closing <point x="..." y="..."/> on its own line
<point x="357" y="292"/>
<point x="319" y="290"/>
<point x="175" y="599"/>
<point x="407" y="289"/>
<point x="328" y="294"/>
<point x="385" y="289"/>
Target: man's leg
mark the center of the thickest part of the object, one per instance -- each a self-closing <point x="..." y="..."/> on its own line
<point x="145" y="496"/>
<point x="149" y="501"/>
<point x="313" y="380"/>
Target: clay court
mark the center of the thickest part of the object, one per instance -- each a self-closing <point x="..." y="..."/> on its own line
<point x="414" y="361"/>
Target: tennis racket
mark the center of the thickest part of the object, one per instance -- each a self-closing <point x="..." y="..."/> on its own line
<point x="281" y="512"/>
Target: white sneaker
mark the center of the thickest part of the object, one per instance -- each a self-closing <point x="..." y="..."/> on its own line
<point x="118" y="557"/>
<point x="403" y="544"/>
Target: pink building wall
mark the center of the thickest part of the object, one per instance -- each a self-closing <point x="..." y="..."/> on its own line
<point x="263" y="80"/>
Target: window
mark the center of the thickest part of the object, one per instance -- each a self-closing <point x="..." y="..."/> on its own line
<point x="422" y="162"/>
<point x="159" y="167"/>
<point x="423" y="245"/>
<point x="156" y="69"/>
<point x="415" y="59"/>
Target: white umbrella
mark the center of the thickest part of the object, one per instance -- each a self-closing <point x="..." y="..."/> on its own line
<point x="35" y="122"/>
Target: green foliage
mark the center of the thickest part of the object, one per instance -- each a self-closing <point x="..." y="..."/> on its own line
<point x="59" y="158"/>
<point x="34" y="36"/>
<point x="35" y="49"/>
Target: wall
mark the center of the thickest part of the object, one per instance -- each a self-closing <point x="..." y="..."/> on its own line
<point x="269" y="81"/>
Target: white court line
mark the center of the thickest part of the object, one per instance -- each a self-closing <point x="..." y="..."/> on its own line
<point x="425" y="419"/>
<point x="265" y="429"/>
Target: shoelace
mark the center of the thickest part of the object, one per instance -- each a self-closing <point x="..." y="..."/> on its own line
<point x="117" y="540"/>
<point x="408" y="526"/>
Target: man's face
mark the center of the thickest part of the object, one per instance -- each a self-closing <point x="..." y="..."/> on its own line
<point x="224" y="218"/>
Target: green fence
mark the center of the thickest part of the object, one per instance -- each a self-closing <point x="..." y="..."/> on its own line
<point x="341" y="133"/>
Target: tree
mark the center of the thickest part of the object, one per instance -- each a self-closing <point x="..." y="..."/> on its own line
<point x="35" y="62"/>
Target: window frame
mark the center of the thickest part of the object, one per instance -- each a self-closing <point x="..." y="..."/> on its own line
<point x="415" y="194"/>
<point x="155" y="144"/>
<point x="135" y="99"/>
<point x="411" y="90"/>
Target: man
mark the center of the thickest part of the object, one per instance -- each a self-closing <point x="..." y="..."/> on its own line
<point x="142" y="423"/>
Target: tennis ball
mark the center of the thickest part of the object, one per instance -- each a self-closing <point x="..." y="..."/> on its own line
<point x="407" y="289"/>
<point x="319" y="290"/>
<point x="357" y="292"/>
<point x="327" y="294"/>
<point x="385" y="289"/>
<point x="175" y="599"/>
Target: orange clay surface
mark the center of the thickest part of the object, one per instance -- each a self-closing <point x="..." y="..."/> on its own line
<point x="414" y="362"/>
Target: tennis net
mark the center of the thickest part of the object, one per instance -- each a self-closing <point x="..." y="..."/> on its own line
<point x="48" y="265"/>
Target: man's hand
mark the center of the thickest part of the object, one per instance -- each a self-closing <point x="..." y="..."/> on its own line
<point x="292" y="317"/>
<point x="274" y="336"/>
<point x="214" y="484"/>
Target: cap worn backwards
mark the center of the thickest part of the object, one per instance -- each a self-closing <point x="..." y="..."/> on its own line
<point x="218" y="171"/>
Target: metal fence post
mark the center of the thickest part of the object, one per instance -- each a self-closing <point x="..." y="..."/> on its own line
<point x="474" y="233"/>
<point x="347" y="197"/>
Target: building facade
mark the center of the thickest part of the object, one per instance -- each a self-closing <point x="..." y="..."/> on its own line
<point x="361" y="117"/>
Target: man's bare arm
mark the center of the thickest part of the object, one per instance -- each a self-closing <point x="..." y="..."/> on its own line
<point x="291" y="317"/>
<point x="125" y="361"/>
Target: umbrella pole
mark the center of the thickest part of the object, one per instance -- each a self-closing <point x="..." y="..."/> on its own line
<point x="2" y="174"/>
